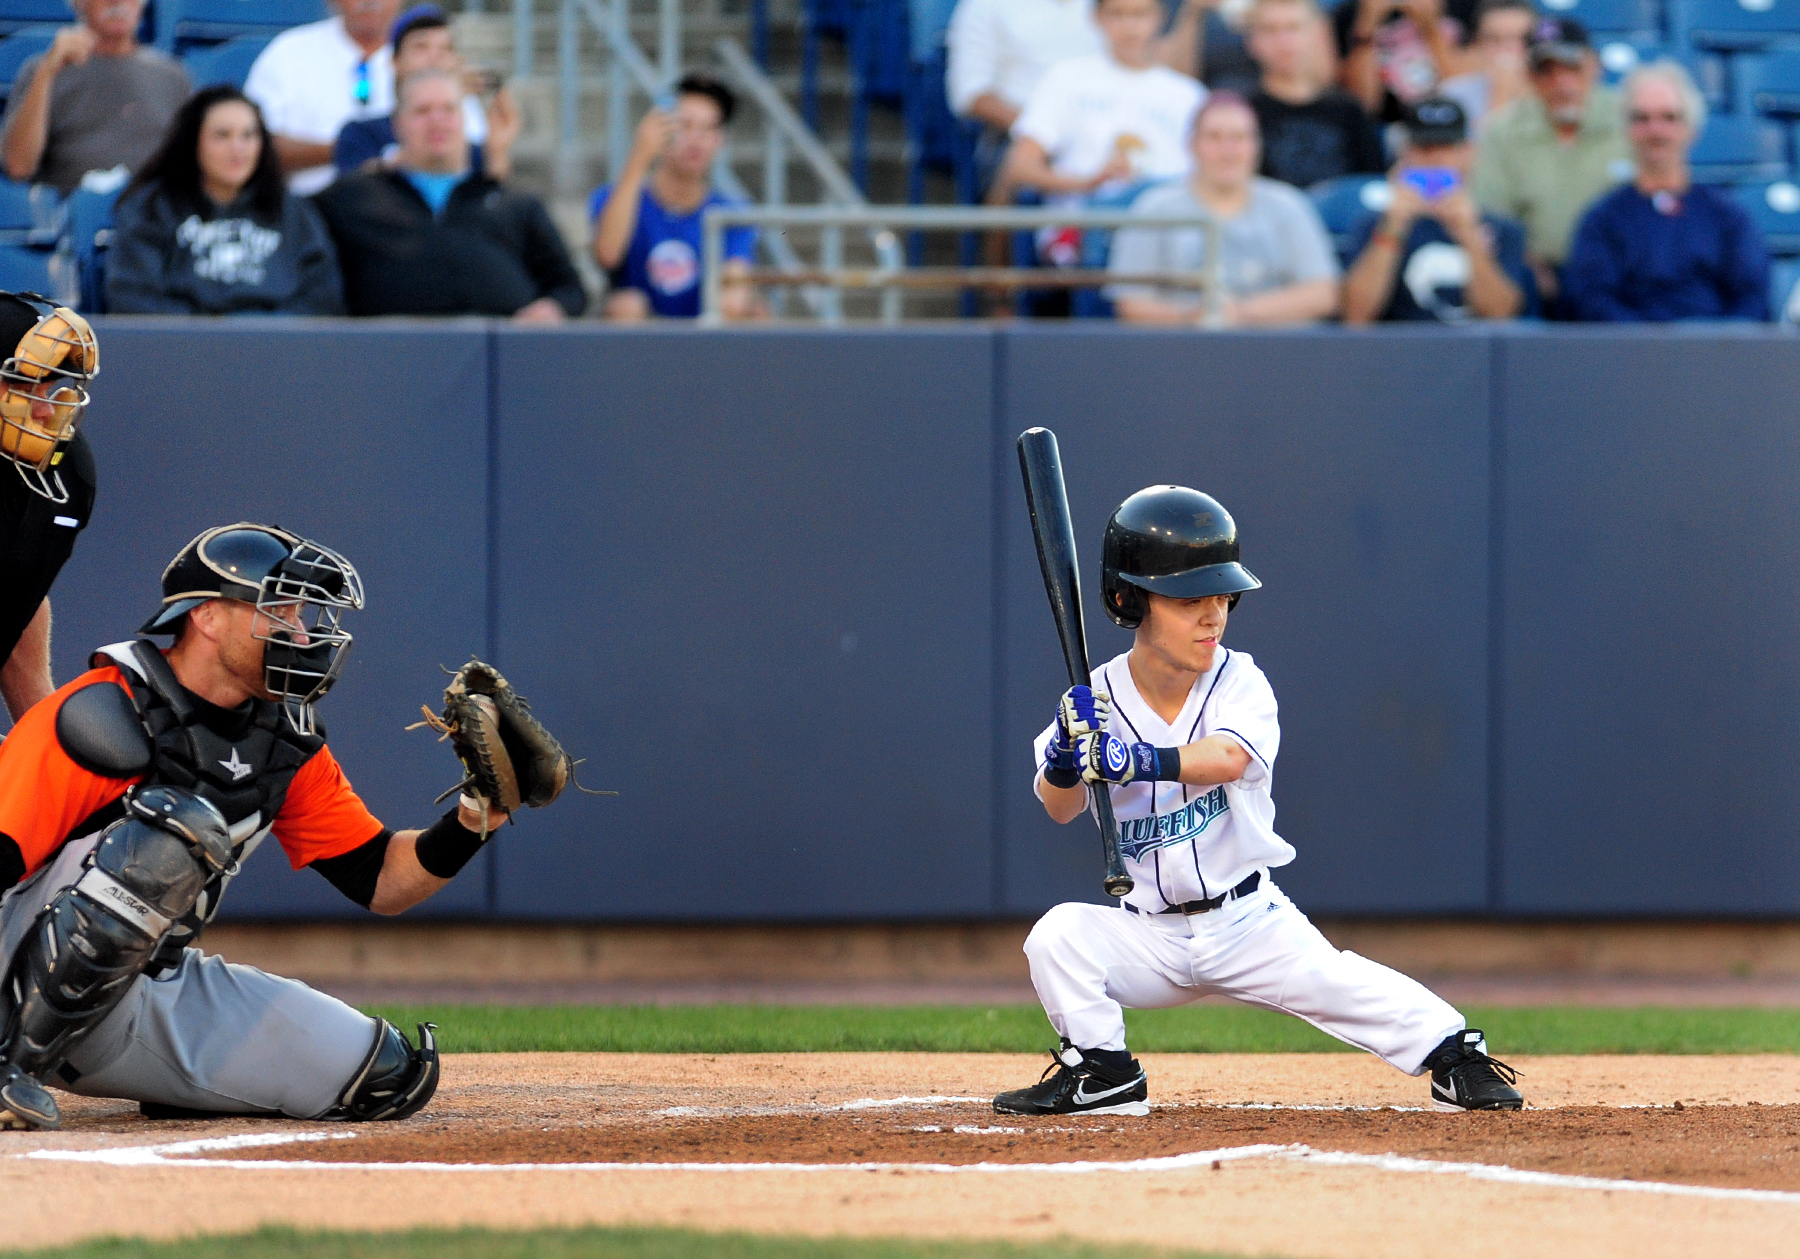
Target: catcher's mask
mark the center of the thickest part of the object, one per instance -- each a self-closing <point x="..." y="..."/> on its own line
<point x="300" y="590"/>
<point x="51" y="358"/>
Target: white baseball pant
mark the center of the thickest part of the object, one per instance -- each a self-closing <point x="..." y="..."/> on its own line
<point x="1088" y="961"/>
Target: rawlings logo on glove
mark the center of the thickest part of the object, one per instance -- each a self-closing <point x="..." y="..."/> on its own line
<point x="1105" y="758"/>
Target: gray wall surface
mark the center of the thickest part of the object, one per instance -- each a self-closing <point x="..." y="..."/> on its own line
<point x="1529" y="595"/>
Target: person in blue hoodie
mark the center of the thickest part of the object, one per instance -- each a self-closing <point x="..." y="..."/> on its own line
<point x="208" y="228"/>
<point x="1662" y="247"/>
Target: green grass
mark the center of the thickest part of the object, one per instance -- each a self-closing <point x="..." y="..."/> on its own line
<point x="579" y="1243"/>
<point x="1204" y="1028"/>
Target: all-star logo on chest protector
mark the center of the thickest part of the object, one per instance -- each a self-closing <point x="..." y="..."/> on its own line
<point x="1164" y="830"/>
<point x="236" y="768"/>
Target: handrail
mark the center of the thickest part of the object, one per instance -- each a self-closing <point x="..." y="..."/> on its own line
<point x="891" y="277"/>
<point x="781" y="116"/>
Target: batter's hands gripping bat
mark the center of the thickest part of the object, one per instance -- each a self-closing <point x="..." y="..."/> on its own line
<point x="1050" y="526"/>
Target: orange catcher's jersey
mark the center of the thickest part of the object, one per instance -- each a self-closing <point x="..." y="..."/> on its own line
<point x="46" y="799"/>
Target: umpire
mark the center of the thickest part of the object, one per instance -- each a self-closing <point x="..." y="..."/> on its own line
<point x="51" y="357"/>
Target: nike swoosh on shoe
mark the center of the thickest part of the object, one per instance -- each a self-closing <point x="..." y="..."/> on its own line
<point x="1082" y="1097"/>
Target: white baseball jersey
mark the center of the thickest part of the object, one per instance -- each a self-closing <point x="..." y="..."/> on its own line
<point x="1184" y="843"/>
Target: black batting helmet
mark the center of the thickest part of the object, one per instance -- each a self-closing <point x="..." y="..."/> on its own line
<point x="1169" y="540"/>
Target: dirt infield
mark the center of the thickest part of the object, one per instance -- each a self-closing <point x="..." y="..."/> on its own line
<point x="1286" y="1154"/>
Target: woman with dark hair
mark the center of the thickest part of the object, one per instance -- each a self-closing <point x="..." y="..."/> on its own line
<point x="207" y="227"/>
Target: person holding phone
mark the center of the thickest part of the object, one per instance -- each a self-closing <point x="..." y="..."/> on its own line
<point x="1433" y="254"/>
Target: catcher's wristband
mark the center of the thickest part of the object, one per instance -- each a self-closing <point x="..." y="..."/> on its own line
<point x="446" y="846"/>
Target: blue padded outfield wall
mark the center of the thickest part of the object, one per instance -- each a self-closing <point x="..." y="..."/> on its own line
<point x="1530" y="603"/>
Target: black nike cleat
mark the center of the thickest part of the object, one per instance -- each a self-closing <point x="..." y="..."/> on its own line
<point x="24" y="1103"/>
<point x="1071" y="1085"/>
<point x="1463" y="1077"/>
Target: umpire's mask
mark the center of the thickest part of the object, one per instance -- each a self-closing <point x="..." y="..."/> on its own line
<point x="53" y="356"/>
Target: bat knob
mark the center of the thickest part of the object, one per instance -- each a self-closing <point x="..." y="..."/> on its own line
<point x="1119" y="885"/>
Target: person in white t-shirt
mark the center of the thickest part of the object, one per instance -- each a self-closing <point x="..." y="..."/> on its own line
<point x="999" y="49"/>
<point x="1110" y="121"/>
<point x="1183" y="733"/>
<point x="313" y="79"/>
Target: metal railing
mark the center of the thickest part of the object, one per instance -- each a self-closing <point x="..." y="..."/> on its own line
<point x="891" y="277"/>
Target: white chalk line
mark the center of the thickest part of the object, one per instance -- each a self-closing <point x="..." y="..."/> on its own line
<point x="884" y="1103"/>
<point x="157" y="1155"/>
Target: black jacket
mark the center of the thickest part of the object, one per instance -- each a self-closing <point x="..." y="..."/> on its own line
<point x="169" y="260"/>
<point x="490" y="252"/>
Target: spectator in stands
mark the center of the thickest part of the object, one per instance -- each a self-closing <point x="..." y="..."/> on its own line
<point x="208" y="228"/>
<point x="1396" y="52"/>
<point x="1108" y="123"/>
<point x="429" y="236"/>
<point x="1548" y="156"/>
<point x="1433" y="254"/>
<point x="1502" y="28"/>
<point x="1206" y="40"/>
<point x="422" y="41"/>
<point x="1276" y="265"/>
<point x="647" y="225"/>
<point x="1662" y="247"/>
<point x="1311" y="131"/>
<point x="94" y="101"/>
<point x="998" y="50"/>
<point x="313" y="79"/>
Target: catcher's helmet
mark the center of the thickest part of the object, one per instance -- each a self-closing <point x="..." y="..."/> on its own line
<point x="49" y="356"/>
<point x="302" y="589"/>
<point x="1169" y="540"/>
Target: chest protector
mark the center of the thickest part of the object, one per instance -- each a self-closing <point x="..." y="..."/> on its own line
<point x="246" y="777"/>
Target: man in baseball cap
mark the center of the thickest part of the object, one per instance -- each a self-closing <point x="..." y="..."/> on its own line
<point x="1546" y="158"/>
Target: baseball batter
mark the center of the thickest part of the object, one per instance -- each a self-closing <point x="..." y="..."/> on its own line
<point x="1182" y="731"/>
<point x="128" y="800"/>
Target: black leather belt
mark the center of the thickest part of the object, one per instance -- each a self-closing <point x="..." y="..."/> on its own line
<point x="1248" y="886"/>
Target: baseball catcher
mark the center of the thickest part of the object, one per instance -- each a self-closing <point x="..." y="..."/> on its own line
<point x="1182" y="732"/>
<point x="130" y="798"/>
<point x="47" y="357"/>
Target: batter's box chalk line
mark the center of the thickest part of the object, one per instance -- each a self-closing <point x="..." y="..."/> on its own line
<point x="159" y="1156"/>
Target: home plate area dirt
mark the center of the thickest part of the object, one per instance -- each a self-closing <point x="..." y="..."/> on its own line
<point x="1293" y="1154"/>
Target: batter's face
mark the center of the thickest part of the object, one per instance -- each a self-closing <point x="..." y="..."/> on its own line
<point x="1184" y="633"/>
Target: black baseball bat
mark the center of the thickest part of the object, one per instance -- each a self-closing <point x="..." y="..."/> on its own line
<point x="1049" y="503"/>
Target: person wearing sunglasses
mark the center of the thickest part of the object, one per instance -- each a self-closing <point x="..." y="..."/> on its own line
<point x="95" y="100"/>
<point x="313" y="79"/>
<point x="1663" y="247"/>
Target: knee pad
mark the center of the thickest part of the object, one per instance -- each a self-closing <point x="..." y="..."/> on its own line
<point x="395" y="1080"/>
<point x="98" y="934"/>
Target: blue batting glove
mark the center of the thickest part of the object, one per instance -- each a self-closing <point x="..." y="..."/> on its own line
<point x="1105" y="758"/>
<point x="1059" y="761"/>
<point x="1083" y="710"/>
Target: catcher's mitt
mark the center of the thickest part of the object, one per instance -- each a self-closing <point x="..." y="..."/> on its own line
<point x="509" y="757"/>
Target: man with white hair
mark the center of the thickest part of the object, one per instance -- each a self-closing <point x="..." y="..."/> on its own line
<point x="1662" y="247"/>
<point x="96" y="99"/>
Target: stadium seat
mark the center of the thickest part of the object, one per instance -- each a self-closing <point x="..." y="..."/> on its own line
<point x="16" y="15"/>
<point x="1612" y="16"/>
<point x="1784" y="291"/>
<point x="228" y="62"/>
<point x="1735" y="24"/>
<point x="1735" y="150"/>
<point x="1621" y="54"/>
<point x="23" y="269"/>
<point x="90" y="222"/>
<point x="822" y="17"/>
<point x="1775" y="209"/>
<point x="18" y="48"/>
<point x="184" y="24"/>
<point x="1767" y="83"/>
<point x="1342" y="201"/>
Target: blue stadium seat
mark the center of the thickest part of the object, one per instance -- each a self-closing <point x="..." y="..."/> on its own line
<point x="18" y="48"/>
<point x="23" y="269"/>
<point x="1784" y="291"/>
<point x="1621" y="54"/>
<point x="1736" y="24"/>
<point x="184" y="24"/>
<point x="1737" y="150"/>
<point x="228" y="62"/>
<point x="1611" y="15"/>
<point x="1775" y="209"/>
<point x="1344" y="200"/>
<point x="1767" y="83"/>
<point x="16" y="15"/>
<point x="822" y="17"/>
<point x="90" y="222"/>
